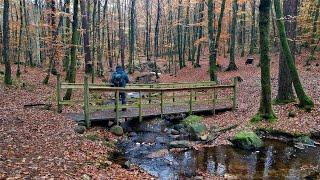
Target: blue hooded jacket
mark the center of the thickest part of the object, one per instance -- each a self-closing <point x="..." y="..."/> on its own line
<point x="124" y="76"/>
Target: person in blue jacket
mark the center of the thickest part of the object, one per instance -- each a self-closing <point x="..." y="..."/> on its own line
<point x="120" y="79"/>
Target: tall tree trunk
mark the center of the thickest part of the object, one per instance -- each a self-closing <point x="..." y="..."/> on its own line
<point x="285" y="90"/>
<point x="132" y="33"/>
<point x="6" y="41"/>
<point x="265" y="111"/>
<point x="232" y="64"/>
<point x="199" y="34"/>
<point x="180" y="36"/>
<point x="305" y="101"/>
<point x="71" y="73"/>
<point x="253" y="41"/>
<point x="86" y="37"/>
<point x="156" y="38"/>
<point x="212" y="50"/>
<point x="121" y="34"/>
<point x="243" y="28"/>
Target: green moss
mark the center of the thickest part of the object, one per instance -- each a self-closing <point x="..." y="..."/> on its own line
<point x="271" y="118"/>
<point x="192" y="120"/>
<point x="247" y="140"/>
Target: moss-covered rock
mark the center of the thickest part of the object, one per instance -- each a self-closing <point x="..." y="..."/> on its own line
<point x="191" y="120"/>
<point x="305" y="140"/>
<point x="117" y="130"/>
<point x="197" y="130"/>
<point x="247" y="140"/>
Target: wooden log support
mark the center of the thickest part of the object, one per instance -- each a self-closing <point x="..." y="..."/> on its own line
<point x="86" y="102"/>
<point x="234" y="104"/>
<point x="59" y="105"/>
<point x="140" y="106"/>
<point x="117" y="106"/>
<point x="161" y="103"/>
<point x="190" y="102"/>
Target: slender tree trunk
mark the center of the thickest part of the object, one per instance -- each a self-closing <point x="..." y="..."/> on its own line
<point x="132" y="43"/>
<point x="212" y="50"/>
<point x="156" y="38"/>
<point x="232" y="64"/>
<point x="253" y="41"/>
<point x="305" y="101"/>
<point x="86" y="38"/>
<point x="6" y="41"/>
<point x="180" y="36"/>
<point x="265" y="111"/>
<point x="200" y="33"/>
<point x="71" y="73"/>
<point x="285" y="90"/>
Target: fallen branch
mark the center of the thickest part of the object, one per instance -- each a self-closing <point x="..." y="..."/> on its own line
<point x="215" y="133"/>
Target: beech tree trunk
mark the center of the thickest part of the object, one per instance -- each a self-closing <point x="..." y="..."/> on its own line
<point x="285" y="90"/>
<point x="6" y="40"/>
<point x="265" y="110"/>
<point x="305" y="101"/>
<point x="212" y="50"/>
<point x="71" y="73"/>
<point x="232" y="64"/>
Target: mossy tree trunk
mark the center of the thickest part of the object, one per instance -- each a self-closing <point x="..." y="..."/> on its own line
<point x="71" y="73"/>
<point x="265" y="110"/>
<point x="285" y="90"/>
<point x="232" y="64"/>
<point x="6" y="40"/>
<point x="305" y="101"/>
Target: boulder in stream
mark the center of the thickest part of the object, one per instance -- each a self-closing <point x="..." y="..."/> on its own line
<point x="198" y="131"/>
<point x="247" y="140"/>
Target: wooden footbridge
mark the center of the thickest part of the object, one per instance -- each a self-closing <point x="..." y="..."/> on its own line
<point x="101" y="102"/>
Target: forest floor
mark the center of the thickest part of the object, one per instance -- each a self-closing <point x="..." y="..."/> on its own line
<point x="39" y="143"/>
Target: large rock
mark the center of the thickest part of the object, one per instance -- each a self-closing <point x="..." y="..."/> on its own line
<point x="197" y="130"/>
<point x="247" y="140"/>
<point x="117" y="130"/>
<point x="80" y="129"/>
<point x="179" y="144"/>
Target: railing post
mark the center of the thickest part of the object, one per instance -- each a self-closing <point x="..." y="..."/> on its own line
<point x="59" y="106"/>
<point x="234" y="106"/>
<point x="150" y="94"/>
<point x="190" y="102"/>
<point x="140" y="106"/>
<point x="117" y="106"/>
<point x="214" y="102"/>
<point x="173" y="97"/>
<point x="86" y="102"/>
<point x="161" y="103"/>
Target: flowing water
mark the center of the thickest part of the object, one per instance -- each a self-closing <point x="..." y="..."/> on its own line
<point x="148" y="148"/>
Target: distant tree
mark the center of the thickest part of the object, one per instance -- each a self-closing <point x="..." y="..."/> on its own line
<point x="304" y="101"/>
<point x="232" y="64"/>
<point x="121" y="35"/>
<point x="156" y="38"/>
<point x="212" y="50"/>
<point x="6" y="40"/>
<point x="253" y="40"/>
<point x="315" y="35"/>
<point x="132" y="33"/>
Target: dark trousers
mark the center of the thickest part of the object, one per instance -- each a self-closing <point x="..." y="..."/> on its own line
<point x="123" y="97"/>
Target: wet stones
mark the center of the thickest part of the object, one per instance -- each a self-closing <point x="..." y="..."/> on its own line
<point x="179" y="144"/>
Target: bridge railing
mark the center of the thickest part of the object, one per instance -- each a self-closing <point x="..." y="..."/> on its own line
<point x="151" y="98"/>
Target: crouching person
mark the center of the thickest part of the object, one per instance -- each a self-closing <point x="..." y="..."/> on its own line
<point x="120" y="79"/>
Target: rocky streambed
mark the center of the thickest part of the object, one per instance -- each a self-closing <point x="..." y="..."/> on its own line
<point x="164" y="150"/>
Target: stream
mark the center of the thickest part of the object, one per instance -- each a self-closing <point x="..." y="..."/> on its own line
<point x="147" y="147"/>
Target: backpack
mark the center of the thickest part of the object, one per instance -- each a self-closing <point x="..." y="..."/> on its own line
<point x="118" y="80"/>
